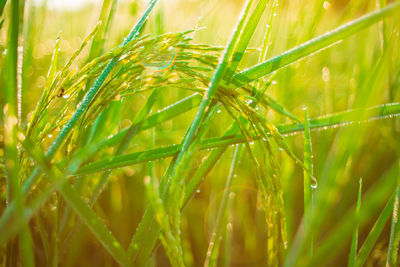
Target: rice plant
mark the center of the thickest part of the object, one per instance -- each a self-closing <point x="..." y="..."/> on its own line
<point x="190" y="133"/>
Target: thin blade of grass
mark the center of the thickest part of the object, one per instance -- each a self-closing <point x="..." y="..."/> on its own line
<point x="394" y="232"/>
<point x="312" y="46"/>
<point x="354" y="241"/>
<point x="218" y="231"/>
<point x="373" y="201"/>
<point x="106" y="16"/>
<point x="309" y="184"/>
<point x="374" y="234"/>
<point x="245" y="37"/>
<point x="2" y="4"/>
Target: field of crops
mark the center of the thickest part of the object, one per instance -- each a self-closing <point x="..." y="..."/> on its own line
<point x="199" y="133"/>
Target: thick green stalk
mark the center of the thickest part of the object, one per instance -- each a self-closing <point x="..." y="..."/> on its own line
<point x="10" y="113"/>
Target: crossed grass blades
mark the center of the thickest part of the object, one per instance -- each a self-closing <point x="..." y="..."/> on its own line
<point x="75" y="119"/>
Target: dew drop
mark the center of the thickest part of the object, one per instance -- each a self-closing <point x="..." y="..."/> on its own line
<point x="326" y="5"/>
<point x="314" y="186"/>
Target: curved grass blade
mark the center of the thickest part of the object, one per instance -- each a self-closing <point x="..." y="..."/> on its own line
<point x="335" y="120"/>
<point x="373" y="235"/>
<point x="394" y="233"/>
<point x="312" y="46"/>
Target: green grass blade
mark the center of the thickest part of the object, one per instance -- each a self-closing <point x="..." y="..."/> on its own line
<point x="394" y="233"/>
<point x="335" y="120"/>
<point x="2" y="5"/>
<point x="245" y="37"/>
<point x="354" y="241"/>
<point x="73" y="198"/>
<point x="106" y="16"/>
<point x="140" y="117"/>
<point x="94" y="223"/>
<point x="10" y="118"/>
<point x="313" y="45"/>
<point x="219" y="228"/>
<point x="122" y="146"/>
<point x="161" y="116"/>
<point x="374" y="234"/>
<point x="309" y="184"/>
<point x="373" y="200"/>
